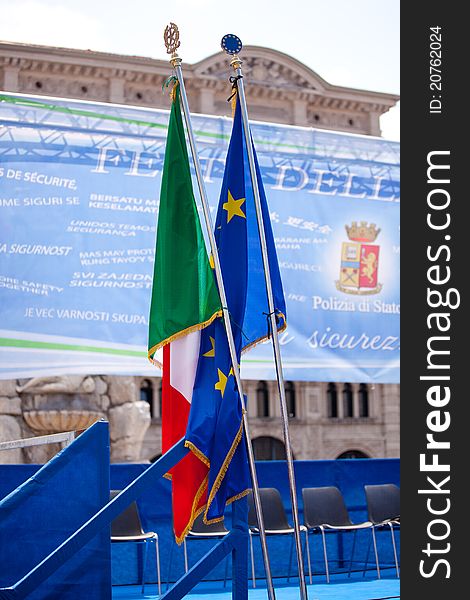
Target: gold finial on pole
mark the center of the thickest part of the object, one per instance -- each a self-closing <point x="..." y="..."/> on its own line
<point x="171" y="37"/>
<point x="236" y="62"/>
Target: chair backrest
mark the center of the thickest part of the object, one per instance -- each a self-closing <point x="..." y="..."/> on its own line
<point x="324" y="505"/>
<point x="274" y="515"/>
<point x="200" y="528"/>
<point x="383" y="502"/>
<point x="128" y="522"/>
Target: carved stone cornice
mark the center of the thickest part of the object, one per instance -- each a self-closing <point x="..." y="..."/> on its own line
<point x="207" y="84"/>
<point x="271" y="77"/>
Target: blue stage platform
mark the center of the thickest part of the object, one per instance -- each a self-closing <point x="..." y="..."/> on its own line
<point x="155" y="507"/>
<point x="340" y="588"/>
<point x="55" y="543"/>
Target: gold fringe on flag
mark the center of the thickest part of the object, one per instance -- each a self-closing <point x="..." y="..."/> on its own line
<point x="173" y="82"/>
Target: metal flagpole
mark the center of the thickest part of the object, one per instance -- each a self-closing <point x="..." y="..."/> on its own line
<point x="171" y="37"/>
<point x="232" y="45"/>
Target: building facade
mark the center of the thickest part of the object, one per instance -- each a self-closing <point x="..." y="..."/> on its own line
<point x="327" y="420"/>
<point x="279" y="88"/>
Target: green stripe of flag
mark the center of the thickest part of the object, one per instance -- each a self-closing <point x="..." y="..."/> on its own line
<point x="184" y="293"/>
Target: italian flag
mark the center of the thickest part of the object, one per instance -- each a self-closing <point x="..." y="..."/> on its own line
<point x="184" y="300"/>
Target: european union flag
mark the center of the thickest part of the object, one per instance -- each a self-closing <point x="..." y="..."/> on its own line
<point x="215" y="431"/>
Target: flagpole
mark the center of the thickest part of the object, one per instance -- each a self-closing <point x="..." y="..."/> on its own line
<point x="171" y="37"/>
<point x="232" y="45"/>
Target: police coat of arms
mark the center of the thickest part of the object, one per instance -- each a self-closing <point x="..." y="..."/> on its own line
<point x="360" y="260"/>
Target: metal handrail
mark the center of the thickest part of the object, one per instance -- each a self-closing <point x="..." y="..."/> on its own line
<point x="53" y="438"/>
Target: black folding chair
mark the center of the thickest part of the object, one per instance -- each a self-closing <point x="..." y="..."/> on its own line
<point x="383" y="506"/>
<point x="127" y="527"/>
<point x="325" y="510"/>
<point x="275" y="522"/>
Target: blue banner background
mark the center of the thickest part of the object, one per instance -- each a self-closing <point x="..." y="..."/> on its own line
<point x="79" y="188"/>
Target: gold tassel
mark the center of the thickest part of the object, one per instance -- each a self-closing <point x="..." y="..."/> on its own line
<point x="166" y="84"/>
<point x="173" y="91"/>
<point x="233" y="101"/>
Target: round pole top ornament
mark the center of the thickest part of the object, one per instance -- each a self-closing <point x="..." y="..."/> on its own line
<point x="172" y="38"/>
<point x="231" y="44"/>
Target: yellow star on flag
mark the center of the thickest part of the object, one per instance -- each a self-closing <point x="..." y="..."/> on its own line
<point x="210" y="353"/>
<point x="233" y="207"/>
<point x="220" y="385"/>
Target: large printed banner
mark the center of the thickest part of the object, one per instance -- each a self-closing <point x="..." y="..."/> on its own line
<point x="79" y="189"/>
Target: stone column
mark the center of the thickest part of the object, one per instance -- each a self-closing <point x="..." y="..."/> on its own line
<point x="391" y="419"/>
<point x="339" y="391"/>
<point x="249" y="389"/>
<point x="355" y="392"/>
<point x="274" y="403"/>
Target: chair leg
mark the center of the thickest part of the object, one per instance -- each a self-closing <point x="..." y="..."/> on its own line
<point x="367" y="557"/>
<point x="376" y="553"/>
<point x="252" y="559"/>
<point x="325" y="556"/>
<point x="185" y="550"/>
<point x="157" y="554"/>
<point x="290" y="558"/>
<point x="144" y="564"/>
<point x="352" y="554"/>
<point x="307" y="543"/>
<point x="394" y="549"/>
<point x="170" y="562"/>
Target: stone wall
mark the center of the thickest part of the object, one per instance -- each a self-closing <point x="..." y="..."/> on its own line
<point x="10" y="420"/>
<point x="52" y="404"/>
<point x="45" y="405"/>
<point x="314" y="435"/>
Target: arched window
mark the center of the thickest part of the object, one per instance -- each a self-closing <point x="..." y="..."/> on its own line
<point x="268" y="448"/>
<point x="363" y="400"/>
<point x="262" y="399"/>
<point x="353" y="454"/>
<point x="348" y="406"/>
<point x="289" y="388"/>
<point x="332" y="400"/>
<point x="146" y="394"/>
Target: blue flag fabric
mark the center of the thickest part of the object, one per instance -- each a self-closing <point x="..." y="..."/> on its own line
<point x="215" y="431"/>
